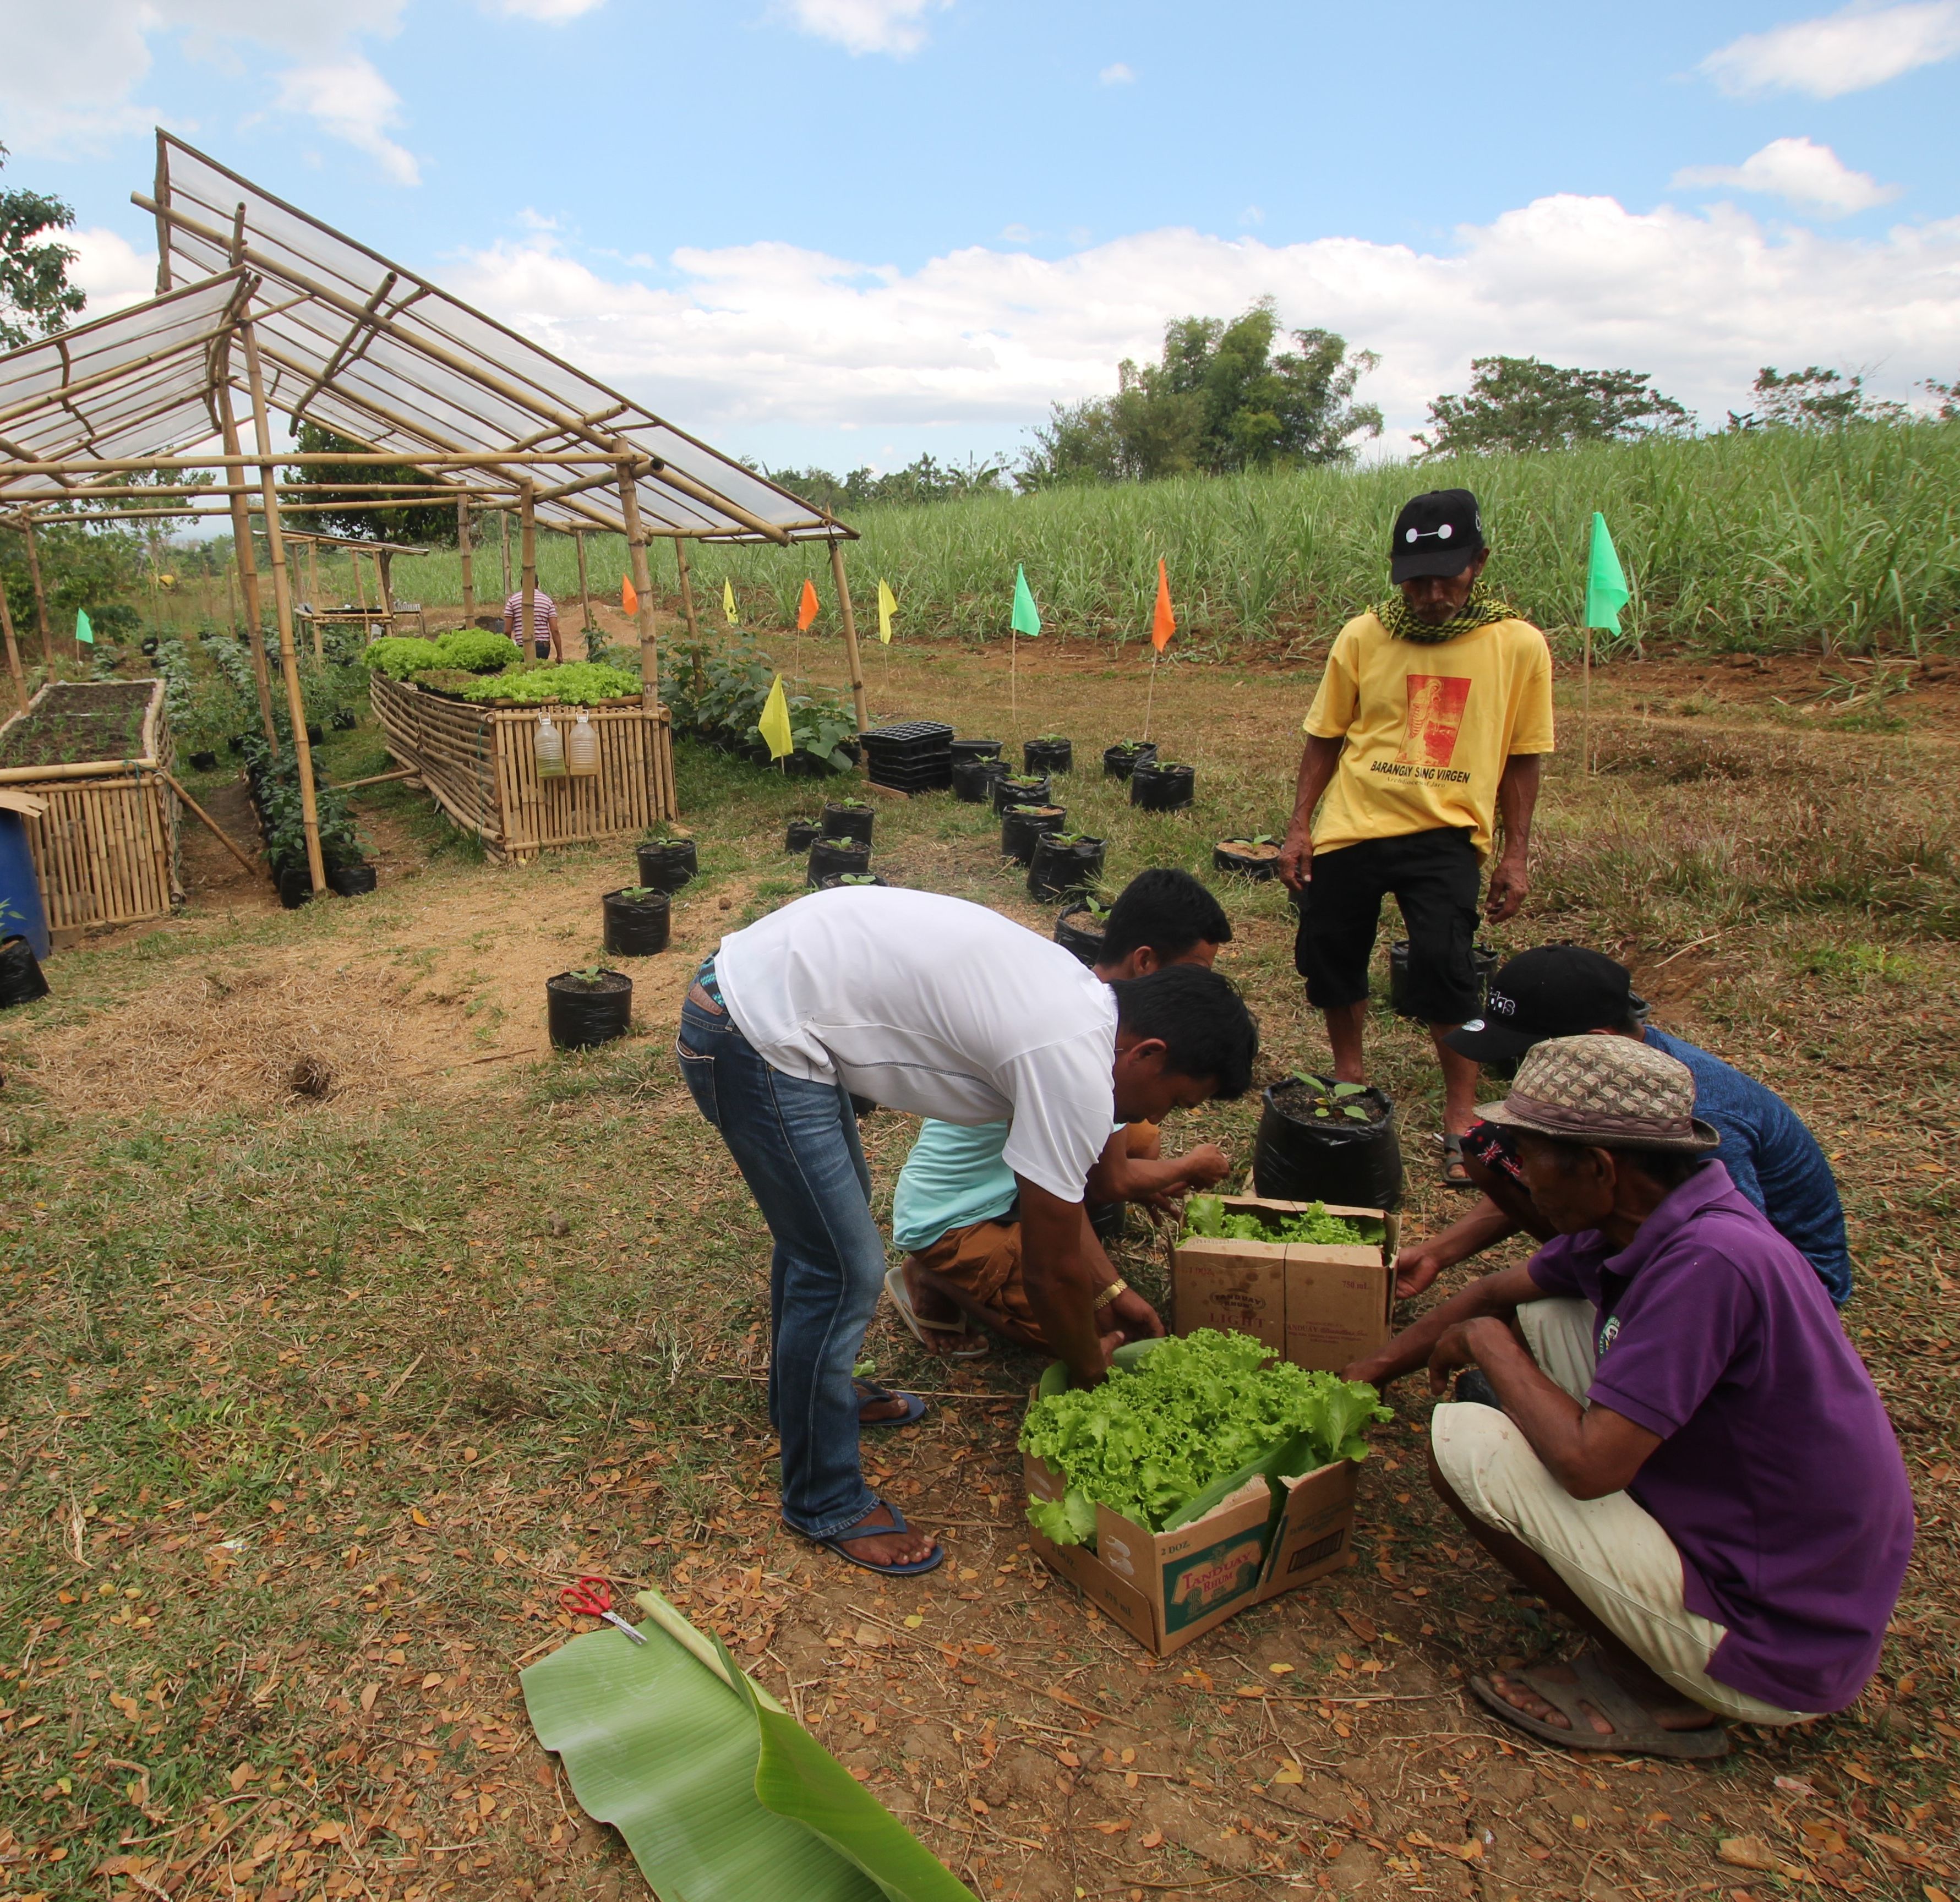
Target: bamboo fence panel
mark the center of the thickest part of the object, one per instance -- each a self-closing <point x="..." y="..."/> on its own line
<point x="106" y="849"/>
<point x="480" y="764"/>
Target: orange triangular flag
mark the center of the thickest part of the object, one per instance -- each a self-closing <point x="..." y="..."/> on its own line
<point x="1163" y="623"/>
<point x="629" y="597"/>
<point x="806" y="606"/>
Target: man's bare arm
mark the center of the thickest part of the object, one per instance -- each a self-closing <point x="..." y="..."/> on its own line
<point x="1591" y="1451"/>
<point x="1061" y="1289"/>
<point x="1517" y="799"/>
<point x="1499" y="1295"/>
<point x="1317" y="764"/>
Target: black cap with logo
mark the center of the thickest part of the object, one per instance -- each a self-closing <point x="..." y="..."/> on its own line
<point x="1438" y="533"/>
<point x="1556" y="990"/>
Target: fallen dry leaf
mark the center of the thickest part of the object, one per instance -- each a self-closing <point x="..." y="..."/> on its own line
<point x="368" y="1693"/>
<point x="1364" y="1628"/>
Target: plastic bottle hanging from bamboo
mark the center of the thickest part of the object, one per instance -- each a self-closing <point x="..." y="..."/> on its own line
<point x="550" y="749"/>
<point x="581" y="750"/>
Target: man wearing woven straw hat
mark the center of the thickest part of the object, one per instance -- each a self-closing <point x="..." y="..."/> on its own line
<point x="1663" y="1431"/>
<point x="1431" y="720"/>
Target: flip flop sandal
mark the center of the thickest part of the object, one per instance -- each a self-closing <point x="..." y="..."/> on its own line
<point x="1456" y="1173"/>
<point x="871" y="1390"/>
<point x="838" y="1541"/>
<point x="1634" y="1732"/>
<point x="895" y="1286"/>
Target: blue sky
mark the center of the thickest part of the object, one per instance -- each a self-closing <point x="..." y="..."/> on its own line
<point x="849" y="229"/>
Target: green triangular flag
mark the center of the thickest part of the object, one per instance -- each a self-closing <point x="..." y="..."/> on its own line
<point x="1026" y="618"/>
<point x="83" y="632"/>
<point x="1606" y="589"/>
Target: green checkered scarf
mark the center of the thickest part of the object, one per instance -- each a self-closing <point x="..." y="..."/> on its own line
<point x="1482" y="608"/>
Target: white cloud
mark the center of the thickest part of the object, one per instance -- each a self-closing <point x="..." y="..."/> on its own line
<point x="551" y="12"/>
<point x="1119" y="74"/>
<point x="72" y="75"/>
<point x="1861" y="46"/>
<point x="1809" y="175"/>
<point x="867" y="26"/>
<point x="352" y="101"/>
<point x="113" y="272"/>
<point x="765" y="338"/>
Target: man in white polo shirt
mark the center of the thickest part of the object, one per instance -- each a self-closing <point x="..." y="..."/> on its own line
<point x="941" y="1008"/>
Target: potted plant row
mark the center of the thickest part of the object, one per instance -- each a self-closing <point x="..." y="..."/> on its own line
<point x="273" y="785"/>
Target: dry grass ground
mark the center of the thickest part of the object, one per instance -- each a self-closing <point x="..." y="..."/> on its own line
<point x="311" y="1397"/>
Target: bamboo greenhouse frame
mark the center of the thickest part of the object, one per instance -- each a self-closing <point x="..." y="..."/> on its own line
<point x="331" y="332"/>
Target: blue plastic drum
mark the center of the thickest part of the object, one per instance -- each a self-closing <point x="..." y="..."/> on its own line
<point x="23" y="915"/>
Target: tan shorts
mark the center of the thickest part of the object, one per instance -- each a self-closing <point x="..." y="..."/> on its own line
<point x="1610" y="1552"/>
<point x="984" y="1262"/>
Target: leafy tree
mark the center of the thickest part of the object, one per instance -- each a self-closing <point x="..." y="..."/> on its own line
<point x="1813" y="398"/>
<point x="35" y="294"/>
<point x="421" y="525"/>
<point x="1218" y="399"/>
<point x="1947" y="395"/>
<point x="1517" y="405"/>
<point x="926" y="480"/>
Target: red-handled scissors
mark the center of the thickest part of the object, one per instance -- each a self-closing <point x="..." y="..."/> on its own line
<point x="592" y="1598"/>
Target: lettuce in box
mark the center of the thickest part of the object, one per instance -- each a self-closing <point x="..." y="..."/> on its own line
<point x="1161" y="1432"/>
<point x="1205" y="1217"/>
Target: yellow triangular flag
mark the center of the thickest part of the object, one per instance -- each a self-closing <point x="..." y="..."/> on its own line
<point x="774" y="725"/>
<point x="728" y="601"/>
<point x="888" y="606"/>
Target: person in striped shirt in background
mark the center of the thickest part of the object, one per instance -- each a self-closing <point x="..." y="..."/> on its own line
<point x="544" y="623"/>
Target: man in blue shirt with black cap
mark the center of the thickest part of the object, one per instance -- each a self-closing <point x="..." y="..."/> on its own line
<point x="1566" y="991"/>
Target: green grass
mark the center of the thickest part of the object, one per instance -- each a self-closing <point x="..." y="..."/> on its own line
<point x="1771" y="541"/>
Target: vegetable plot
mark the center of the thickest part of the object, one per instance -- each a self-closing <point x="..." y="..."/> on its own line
<point x="1184" y="1425"/>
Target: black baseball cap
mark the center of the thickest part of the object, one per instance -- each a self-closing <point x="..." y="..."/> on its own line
<point x="1556" y="990"/>
<point x="1437" y="533"/>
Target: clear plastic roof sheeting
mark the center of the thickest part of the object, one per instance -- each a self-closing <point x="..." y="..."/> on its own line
<point x="136" y="384"/>
<point x="370" y="351"/>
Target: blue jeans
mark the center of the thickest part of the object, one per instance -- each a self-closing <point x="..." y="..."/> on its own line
<point x="796" y="1144"/>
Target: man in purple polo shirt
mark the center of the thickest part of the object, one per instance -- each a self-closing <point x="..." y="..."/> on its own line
<point x="1667" y="1435"/>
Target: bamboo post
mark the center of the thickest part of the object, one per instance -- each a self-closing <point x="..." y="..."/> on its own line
<point x="384" y="577"/>
<point x="282" y="604"/>
<point x="360" y="587"/>
<point x="527" y="557"/>
<point x="231" y="595"/>
<point x="13" y="650"/>
<point x="40" y="594"/>
<point x="686" y="592"/>
<point x="313" y="599"/>
<point x="849" y="633"/>
<point x="584" y="589"/>
<point x="643" y="585"/>
<point x="242" y="553"/>
<point x="223" y="838"/>
<point x="463" y="552"/>
<point x="504" y="544"/>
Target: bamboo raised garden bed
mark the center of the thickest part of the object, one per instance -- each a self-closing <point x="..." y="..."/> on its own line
<point x="480" y="764"/>
<point x="105" y="849"/>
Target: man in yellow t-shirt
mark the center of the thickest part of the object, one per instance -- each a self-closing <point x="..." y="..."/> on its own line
<point x="1429" y="724"/>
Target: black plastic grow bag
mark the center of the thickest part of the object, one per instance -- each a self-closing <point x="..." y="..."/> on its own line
<point x="1300" y="1158"/>
<point x="580" y="1018"/>
<point x="1061" y="870"/>
<point x="636" y="927"/>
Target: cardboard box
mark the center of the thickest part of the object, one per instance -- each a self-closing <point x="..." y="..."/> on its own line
<point x="1317" y="1306"/>
<point x="1166" y="1588"/>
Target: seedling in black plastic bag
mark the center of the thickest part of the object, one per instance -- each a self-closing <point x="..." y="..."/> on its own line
<point x="1328" y="1099"/>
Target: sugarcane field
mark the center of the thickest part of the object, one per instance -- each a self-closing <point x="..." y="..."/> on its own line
<point x="1214" y="1155"/>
